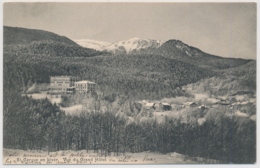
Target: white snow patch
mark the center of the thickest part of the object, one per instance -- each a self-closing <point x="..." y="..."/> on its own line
<point x="42" y="95"/>
<point x="239" y="113"/>
<point x="201" y="96"/>
<point x="253" y="117"/>
<point x="188" y="53"/>
<point x="72" y="109"/>
<point x="97" y="45"/>
<point x="134" y="44"/>
<point x="201" y="120"/>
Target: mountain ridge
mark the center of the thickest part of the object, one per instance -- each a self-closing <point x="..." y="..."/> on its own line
<point x="43" y="43"/>
<point x="140" y="46"/>
<point x="120" y="47"/>
<point x="18" y="35"/>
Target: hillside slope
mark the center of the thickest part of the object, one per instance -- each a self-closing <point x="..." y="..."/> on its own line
<point x="18" y="41"/>
<point x="17" y="35"/>
<point x="50" y="49"/>
<point x="240" y="79"/>
<point x="178" y="50"/>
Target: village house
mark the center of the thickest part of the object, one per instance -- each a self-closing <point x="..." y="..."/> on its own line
<point x="150" y="106"/>
<point x="189" y="104"/>
<point x="165" y="106"/>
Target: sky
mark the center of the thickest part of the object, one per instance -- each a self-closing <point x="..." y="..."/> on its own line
<point x="224" y="29"/>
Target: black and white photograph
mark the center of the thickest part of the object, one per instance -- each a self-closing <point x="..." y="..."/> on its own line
<point x="129" y="83"/>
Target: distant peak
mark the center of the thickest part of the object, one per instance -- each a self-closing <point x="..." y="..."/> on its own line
<point x="141" y="39"/>
<point x="174" y="41"/>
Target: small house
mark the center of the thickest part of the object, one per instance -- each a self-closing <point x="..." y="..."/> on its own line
<point x="190" y="104"/>
<point x="150" y="106"/>
<point x="165" y="106"/>
<point x="241" y="114"/>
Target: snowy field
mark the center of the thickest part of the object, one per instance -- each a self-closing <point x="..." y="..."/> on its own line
<point x="42" y="95"/>
<point x="76" y="109"/>
<point x="57" y="99"/>
<point x="160" y="116"/>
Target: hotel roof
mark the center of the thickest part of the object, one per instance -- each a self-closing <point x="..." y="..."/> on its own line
<point x="85" y="82"/>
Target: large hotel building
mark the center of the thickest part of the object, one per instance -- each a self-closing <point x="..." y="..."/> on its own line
<point x="70" y="84"/>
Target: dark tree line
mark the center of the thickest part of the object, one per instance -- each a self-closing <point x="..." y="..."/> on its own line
<point x="37" y="124"/>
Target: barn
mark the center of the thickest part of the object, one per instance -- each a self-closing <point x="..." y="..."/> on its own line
<point x="165" y="107"/>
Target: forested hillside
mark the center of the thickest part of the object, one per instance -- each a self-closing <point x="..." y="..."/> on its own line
<point x="21" y="41"/>
<point x="139" y="77"/>
<point x="229" y="82"/>
<point x="17" y="35"/>
<point x="50" y="49"/>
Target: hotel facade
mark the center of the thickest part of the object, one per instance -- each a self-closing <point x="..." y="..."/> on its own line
<point x="70" y="84"/>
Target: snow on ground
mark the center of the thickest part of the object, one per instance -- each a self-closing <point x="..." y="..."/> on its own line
<point x="33" y="87"/>
<point x="175" y="100"/>
<point x="201" y="120"/>
<point x="239" y="113"/>
<point x="42" y="95"/>
<point x="72" y="109"/>
<point x="160" y="116"/>
<point x="240" y="97"/>
<point x="15" y="156"/>
<point x="212" y="100"/>
<point x="57" y="99"/>
<point x="97" y="45"/>
<point x="252" y="100"/>
<point x="135" y="44"/>
<point x="253" y="117"/>
<point x="201" y="96"/>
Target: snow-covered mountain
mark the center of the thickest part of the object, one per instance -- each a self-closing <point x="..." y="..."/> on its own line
<point x="126" y="46"/>
<point x="97" y="45"/>
<point x="134" y="44"/>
